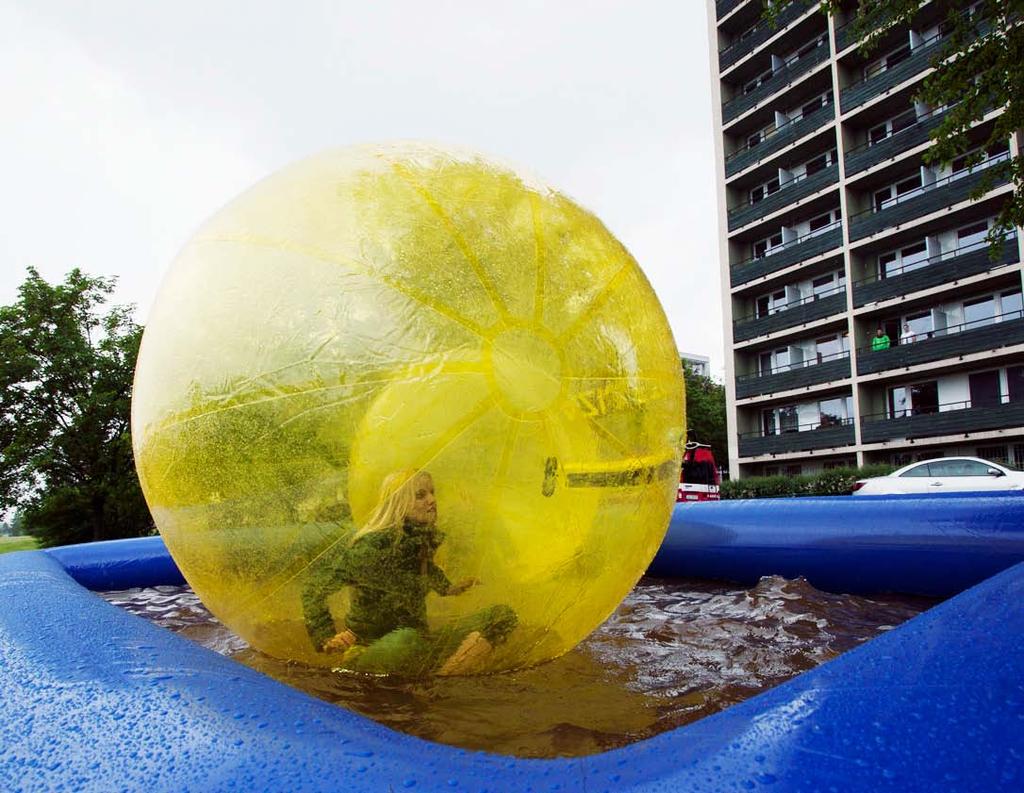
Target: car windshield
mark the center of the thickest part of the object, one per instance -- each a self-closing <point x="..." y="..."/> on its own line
<point x="917" y="470"/>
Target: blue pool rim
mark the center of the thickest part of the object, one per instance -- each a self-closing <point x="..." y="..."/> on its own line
<point x="94" y="698"/>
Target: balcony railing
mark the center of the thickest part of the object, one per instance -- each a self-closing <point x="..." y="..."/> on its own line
<point x="783" y="77"/>
<point x="844" y="35"/>
<point x="949" y="419"/>
<point x="920" y="58"/>
<point x="805" y="437"/>
<point x="781" y="256"/>
<point x="923" y="200"/>
<point x="864" y="156"/>
<point x="723" y="7"/>
<point x="778" y="139"/>
<point x="981" y="335"/>
<point x="787" y="194"/>
<point x="936" y="270"/>
<point x="823" y="369"/>
<point x="789" y="315"/>
<point x="753" y="38"/>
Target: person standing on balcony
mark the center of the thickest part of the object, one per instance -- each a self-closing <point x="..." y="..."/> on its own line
<point x="880" y="341"/>
<point x="907" y="336"/>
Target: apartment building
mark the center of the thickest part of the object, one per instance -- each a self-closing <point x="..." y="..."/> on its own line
<point x="834" y="231"/>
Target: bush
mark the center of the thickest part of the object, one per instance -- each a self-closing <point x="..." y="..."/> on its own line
<point x="835" y="482"/>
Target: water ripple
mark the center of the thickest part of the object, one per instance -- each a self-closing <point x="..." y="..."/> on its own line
<point x="675" y="651"/>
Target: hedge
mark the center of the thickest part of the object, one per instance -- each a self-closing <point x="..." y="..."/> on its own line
<point x="835" y="482"/>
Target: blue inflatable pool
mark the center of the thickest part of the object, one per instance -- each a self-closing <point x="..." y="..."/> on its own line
<point x="97" y="699"/>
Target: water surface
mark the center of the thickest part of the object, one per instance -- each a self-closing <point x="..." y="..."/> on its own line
<point x="674" y="651"/>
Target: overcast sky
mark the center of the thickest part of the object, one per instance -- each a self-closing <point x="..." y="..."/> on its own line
<point x="125" y="124"/>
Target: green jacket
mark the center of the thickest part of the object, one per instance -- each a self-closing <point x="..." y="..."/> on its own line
<point x="390" y="575"/>
<point x="879" y="343"/>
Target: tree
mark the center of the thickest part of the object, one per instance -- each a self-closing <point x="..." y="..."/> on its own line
<point x="65" y="389"/>
<point x="705" y="413"/>
<point x="980" y="68"/>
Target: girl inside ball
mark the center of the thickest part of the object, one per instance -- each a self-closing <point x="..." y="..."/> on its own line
<point x="389" y="565"/>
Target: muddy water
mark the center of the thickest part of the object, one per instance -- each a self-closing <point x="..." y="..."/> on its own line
<point x="675" y="651"/>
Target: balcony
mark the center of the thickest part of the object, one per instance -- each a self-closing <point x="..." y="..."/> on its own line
<point x="924" y="200"/>
<point x="788" y="194"/>
<point x="951" y="419"/>
<point x="806" y="437"/>
<point x="936" y="270"/>
<point x="786" y="378"/>
<point x="863" y="157"/>
<point x="789" y="315"/>
<point x="920" y="58"/>
<point x="758" y="35"/>
<point x="789" y="253"/>
<point x="844" y="35"/>
<point x="782" y="78"/>
<point x="723" y="7"/>
<point x="979" y="336"/>
<point x="779" y="139"/>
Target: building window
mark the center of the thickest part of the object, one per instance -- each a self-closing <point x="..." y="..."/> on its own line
<point x="898" y="55"/>
<point x="762" y="247"/>
<point x="984" y="389"/>
<point x="1010" y="305"/>
<point x="978" y="313"/>
<point x="924" y="398"/>
<point x="770" y="470"/>
<point x="832" y="412"/>
<point x="921" y="326"/>
<point x="821" y="221"/>
<point x="766" y="305"/>
<point x="891" y="195"/>
<point x="1015" y="387"/>
<point x="819" y="102"/>
<point x="762" y="191"/>
<point x="827" y="283"/>
<point x="820" y="163"/>
<point x="758" y="81"/>
<point x="971" y="235"/>
<point x="888" y="263"/>
<point x="828" y="347"/>
<point x="779" y="420"/>
<point x="793" y="470"/>
<point x="913" y="400"/>
<point x="996" y="153"/>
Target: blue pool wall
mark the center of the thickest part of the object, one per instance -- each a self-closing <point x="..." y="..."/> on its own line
<point x="97" y="699"/>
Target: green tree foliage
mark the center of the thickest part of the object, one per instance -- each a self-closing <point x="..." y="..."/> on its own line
<point x="65" y="389"/>
<point x="705" y="413"/>
<point x="979" y="68"/>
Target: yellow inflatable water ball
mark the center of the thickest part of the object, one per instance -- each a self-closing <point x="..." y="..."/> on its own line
<point x="401" y="409"/>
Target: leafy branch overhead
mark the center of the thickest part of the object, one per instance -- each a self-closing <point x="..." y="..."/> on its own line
<point x="65" y="388"/>
<point x="978" y="70"/>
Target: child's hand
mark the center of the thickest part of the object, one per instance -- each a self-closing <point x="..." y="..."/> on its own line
<point x="340" y="642"/>
<point x="462" y="586"/>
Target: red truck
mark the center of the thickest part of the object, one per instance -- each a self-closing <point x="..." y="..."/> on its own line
<point x="698" y="479"/>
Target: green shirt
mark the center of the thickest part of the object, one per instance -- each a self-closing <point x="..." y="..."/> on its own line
<point x="880" y="343"/>
<point x="390" y="574"/>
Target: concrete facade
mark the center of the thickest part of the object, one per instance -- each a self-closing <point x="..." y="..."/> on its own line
<point x="832" y="226"/>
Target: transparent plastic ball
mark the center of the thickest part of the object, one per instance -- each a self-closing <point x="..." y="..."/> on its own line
<point x="377" y="322"/>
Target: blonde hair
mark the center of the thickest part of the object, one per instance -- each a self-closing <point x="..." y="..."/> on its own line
<point x="397" y="496"/>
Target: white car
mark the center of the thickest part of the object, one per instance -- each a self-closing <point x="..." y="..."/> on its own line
<point x="943" y="475"/>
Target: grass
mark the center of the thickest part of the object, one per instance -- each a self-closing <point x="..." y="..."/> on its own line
<point x="8" y="544"/>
